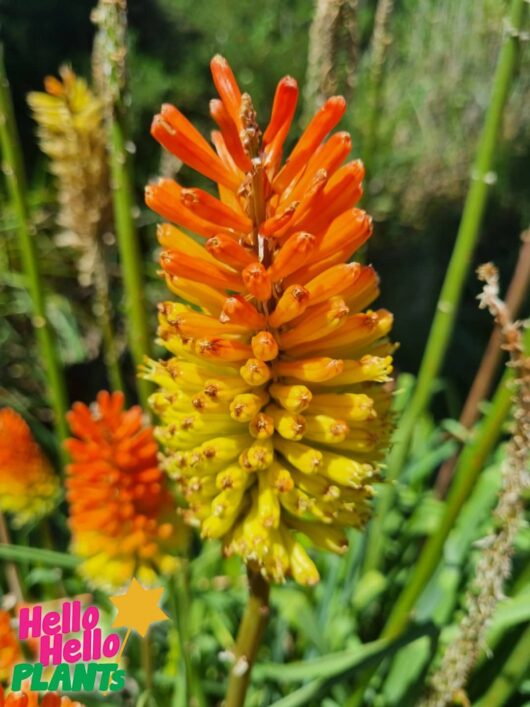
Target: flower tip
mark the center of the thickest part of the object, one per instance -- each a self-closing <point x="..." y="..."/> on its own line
<point x="218" y="60"/>
<point x="289" y="82"/>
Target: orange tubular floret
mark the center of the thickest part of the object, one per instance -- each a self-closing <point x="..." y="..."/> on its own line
<point x="356" y="333"/>
<point x="275" y="223"/>
<point x="291" y="304"/>
<point x="225" y="157"/>
<point x="211" y="209"/>
<point x="264" y="346"/>
<point x="321" y="124"/>
<point x="283" y="108"/>
<point x="172" y="130"/>
<point x="238" y="310"/>
<point x="229" y="251"/>
<point x="306" y="205"/>
<point x="311" y="370"/>
<point x="292" y="255"/>
<point x="165" y="198"/>
<point x="183" y="265"/>
<point x="363" y="291"/>
<point x="329" y="156"/>
<point x="282" y="115"/>
<point x="195" y="325"/>
<point x="222" y="349"/>
<point x="227" y="88"/>
<point x="341" y="192"/>
<point x="317" y="323"/>
<point x="257" y="281"/>
<point x="197" y="293"/>
<point x="334" y="281"/>
<point x="230" y="134"/>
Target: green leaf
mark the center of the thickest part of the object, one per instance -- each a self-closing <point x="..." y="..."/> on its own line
<point x="16" y="553"/>
<point x="340" y="663"/>
<point x="370" y="586"/>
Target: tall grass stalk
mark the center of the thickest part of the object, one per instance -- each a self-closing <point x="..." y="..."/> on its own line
<point x="482" y="178"/>
<point x="110" y="53"/>
<point x="470" y="464"/>
<point x="13" y="168"/>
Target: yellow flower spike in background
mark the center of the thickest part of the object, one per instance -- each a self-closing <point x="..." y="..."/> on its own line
<point x="29" y="488"/>
<point x="70" y="129"/>
<point x="122" y="516"/>
<point x="273" y="413"/>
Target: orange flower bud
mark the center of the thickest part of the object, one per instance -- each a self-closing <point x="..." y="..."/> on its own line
<point x="264" y="346"/>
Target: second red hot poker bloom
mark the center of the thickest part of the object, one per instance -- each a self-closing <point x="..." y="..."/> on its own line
<point x="122" y="516"/>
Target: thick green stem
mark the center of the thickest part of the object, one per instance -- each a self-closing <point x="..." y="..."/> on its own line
<point x="103" y="313"/>
<point x="248" y="639"/>
<point x="481" y="179"/>
<point x="130" y="254"/>
<point x="13" y="167"/>
<point x="510" y="677"/>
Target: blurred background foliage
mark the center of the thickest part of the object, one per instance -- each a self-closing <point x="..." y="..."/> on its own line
<point x="434" y="94"/>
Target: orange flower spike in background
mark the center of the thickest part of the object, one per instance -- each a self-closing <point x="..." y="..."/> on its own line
<point x="26" y="698"/>
<point x="258" y="463"/>
<point x="122" y="517"/>
<point x="10" y="650"/>
<point x="29" y="488"/>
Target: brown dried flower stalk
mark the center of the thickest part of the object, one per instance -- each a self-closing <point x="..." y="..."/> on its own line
<point x="332" y="51"/>
<point x="494" y="566"/>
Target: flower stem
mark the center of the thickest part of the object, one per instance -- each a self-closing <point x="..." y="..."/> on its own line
<point x="248" y="639"/>
<point x="130" y="254"/>
<point x="450" y="295"/>
<point x="16" y="184"/>
<point x="103" y="311"/>
<point x="109" y="68"/>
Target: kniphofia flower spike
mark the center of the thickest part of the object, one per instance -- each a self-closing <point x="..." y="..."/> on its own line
<point x="26" y="698"/>
<point x="29" y="489"/>
<point x="122" y="516"/>
<point x="273" y="414"/>
<point x="10" y="650"/>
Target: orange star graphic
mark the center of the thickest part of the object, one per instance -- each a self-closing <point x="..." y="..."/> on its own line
<point x="138" y="608"/>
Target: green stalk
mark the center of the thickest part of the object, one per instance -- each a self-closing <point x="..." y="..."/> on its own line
<point x="109" y="68"/>
<point x="103" y="313"/>
<point x="510" y="677"/>
<point x="13" y="168"/>
<point x="451" y="293"/>
<point x="130" y="254"/>
<point x="470" y="464"/>
<point x="248" y="639"/>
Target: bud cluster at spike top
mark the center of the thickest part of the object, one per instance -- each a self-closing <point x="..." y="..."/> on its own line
<point x="122" y="516"/>
<point x="273" y="413"/>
